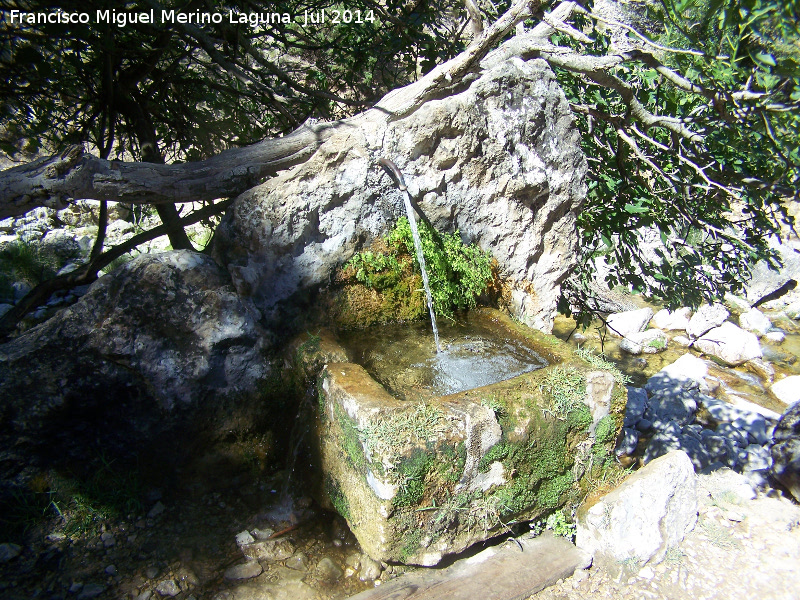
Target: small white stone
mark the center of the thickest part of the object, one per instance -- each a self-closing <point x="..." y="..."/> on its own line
<point x="775" y="336"/>
<point x="243" y="538"/>
<point x="787" y="390"/>
<point x="647" y="573"/>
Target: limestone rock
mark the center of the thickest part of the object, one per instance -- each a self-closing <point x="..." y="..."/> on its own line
<point x="651" y="341"/>
<point x="160" y="351"/>
<point x="687" y="371"/>
<point x="682" y="340"/>
<point x="246" y="570"/>
<point x="168" y="588"/>
<point x="672" y="320"/>
<point x="730" y="344"/>
<point x="645" y="516"/>
<point x="787" y="390"/>
<point x="626" y="445"/>
<point x="632" y="321"/>
<point x="707" y="317"/>
<point x="776" y="337"/>
<point x="500" y="161"/>
<point x="269" y="550"/>
<point x="786" y="450"/>
<point x="327" y="570"/>
<point x="756" y="321"/>
<point x="634" y="409"/>
<point x="765" y="280"/>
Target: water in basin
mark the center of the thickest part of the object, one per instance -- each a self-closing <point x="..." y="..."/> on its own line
<point x="475" y="352"/>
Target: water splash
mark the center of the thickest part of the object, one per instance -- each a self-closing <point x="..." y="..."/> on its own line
<point x="417" y="243"/>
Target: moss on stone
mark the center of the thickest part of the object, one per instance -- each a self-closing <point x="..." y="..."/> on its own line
<point x="580" y="418"/>
<point x="410" y="543"/>
<point x="451" y="462"/>
<point x="551" y="492"/>
<point x="605" y="431"/>
<point x="351" y="444"/>
<point x="411" y="475"/>
<point x="337" y="498"/>
<point x="498" y="452"/>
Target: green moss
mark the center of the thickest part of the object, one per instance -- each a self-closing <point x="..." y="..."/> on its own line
<point x="515" y="498"/>
<point x="382" y="284"/>
<point x="411" y="540"/>
<point x="605" y="431"/>
<point x="565" y="389"/>
<point x="351" y="443"/>
<point x="337" y="498"/>
<point x="498" y="452"/>
<point x="411" y="474"/>
<point x="551" y="491"/>
<point x="580" y="418"/>
<point x="451" y="462"/>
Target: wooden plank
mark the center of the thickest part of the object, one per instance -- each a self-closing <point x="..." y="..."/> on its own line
<point x="499" y="573"/>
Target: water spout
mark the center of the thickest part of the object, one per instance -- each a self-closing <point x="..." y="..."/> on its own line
<point x="401" y="184"/>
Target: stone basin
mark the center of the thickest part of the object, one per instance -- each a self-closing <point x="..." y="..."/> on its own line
<point x="419" y="475"/>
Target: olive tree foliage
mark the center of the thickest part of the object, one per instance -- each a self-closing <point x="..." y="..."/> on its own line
<point x="692" y="132"/>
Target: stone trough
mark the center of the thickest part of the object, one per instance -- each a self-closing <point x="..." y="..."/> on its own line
<point x="421" y="477"/>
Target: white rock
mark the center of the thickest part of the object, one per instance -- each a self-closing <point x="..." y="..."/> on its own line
<point x="775" y="336"/>
<point x="707" y="317"/>
<point x="686" y="370"/>
<point x="243" y="538"/>
<point x="669" y="321"/>
<point x="649" y="513"/>
<point x="731" y="344"/>
<point x="682" y="340"/>
<point x="754" y="320"/>
<point x="628" y="322"/>
<point x="246" y="570"/>
<point x="649" y="342"/>
<point x="787" y="390"/>
<point x="737" y="303"/>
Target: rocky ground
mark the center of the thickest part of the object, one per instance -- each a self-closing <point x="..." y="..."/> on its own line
<point x="193" y="543"/>
<point x="745" y="545"/>
<point x="191" y="539"/>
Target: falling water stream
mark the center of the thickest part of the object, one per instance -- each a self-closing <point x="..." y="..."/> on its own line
<point x="417" y="243"/>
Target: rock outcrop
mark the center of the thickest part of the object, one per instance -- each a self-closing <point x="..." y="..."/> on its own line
<point x="500" y="162"/>
<point x="158" y="351"/>
<point x="644" y="517"/>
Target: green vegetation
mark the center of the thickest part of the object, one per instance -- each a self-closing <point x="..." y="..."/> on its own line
<point x="558" y="523"/>
<point x="598" y="362"/>
<point x="117" y="262"/>
<point x="605" y="431"/>
<point x="658" y="343"/>
<point x="411" y="474"/>
<point x="337" y="498"/>
<point x="457" y="273"/>
<point x="26" y="262"/>
<point x="78" y="504"/>
<point x="694" y="140"/>
<point x="565" y="387"/>
<point x="400" y="428"/>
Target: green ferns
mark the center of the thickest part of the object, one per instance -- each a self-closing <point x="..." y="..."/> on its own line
<point x="458" y="273"/>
